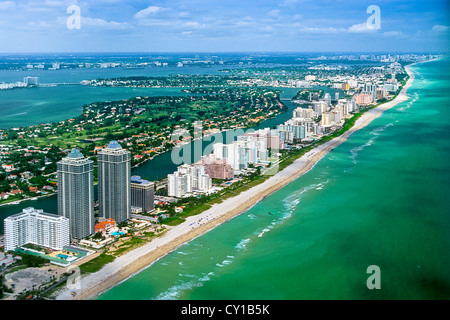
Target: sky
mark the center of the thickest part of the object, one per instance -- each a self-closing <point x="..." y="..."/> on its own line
<point x="224" y="26"/>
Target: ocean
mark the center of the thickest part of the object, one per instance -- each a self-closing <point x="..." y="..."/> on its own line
<point x="380" y="198"/>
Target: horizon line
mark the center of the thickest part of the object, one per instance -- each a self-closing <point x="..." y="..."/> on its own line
<point x="227" y="52"/>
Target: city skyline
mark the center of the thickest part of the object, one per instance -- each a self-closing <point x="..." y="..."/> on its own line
<point x="214" y="26"/>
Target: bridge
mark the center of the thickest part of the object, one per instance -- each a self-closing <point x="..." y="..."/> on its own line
<point x="58" y="84"/>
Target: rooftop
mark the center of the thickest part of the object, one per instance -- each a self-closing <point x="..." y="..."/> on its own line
<point x="114" y="145"/>
<point x="75" y="154"/>
<point x="137" y="179"/>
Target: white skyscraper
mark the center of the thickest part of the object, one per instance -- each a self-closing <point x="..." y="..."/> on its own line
<point x="187" y="179"/>
<point x="247" y="149"/>
<point x="36" y="227"/>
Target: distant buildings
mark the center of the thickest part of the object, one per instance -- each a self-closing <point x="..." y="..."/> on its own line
<point x="391" y="86"/>
<point x="303" y="123"/>
<point x="347" y="106"/>
<point x="142" y="195"/>
<point x="31" y="81"/>
<point x="114" y="176"/>
<point x="36" y="227"/>
<point x="76" y="193"/>
<point x="188" y="179"/>
<point x="320" y="107"/>
<point x="363" y="99"/>
<point x="240" y="153"/>
<point x="270" y="138"/>
<point x="217" y="168"/>
<point x="291" y="130"/>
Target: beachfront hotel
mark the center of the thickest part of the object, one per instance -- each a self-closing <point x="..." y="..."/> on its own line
<point x="217" y="169"/>
<point x="142" y="195"/>
<point x="76" y="193"/>
<point x="36" y="227"/>
<point x="188" y="179"/>
<point x="239" y="154"/>
<point x="114" y="176"/>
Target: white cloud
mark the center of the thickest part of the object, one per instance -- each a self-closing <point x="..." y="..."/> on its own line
<point x="322" y="30"/>
<point x="193" y="25"/>
<point x="361" y="28"/>
<point x="440" y="28"/>
<point x="274" y="13"/>
<point x="396" y="34"/>
<point x="7" y="5"/>
<point x="149" y="11"/>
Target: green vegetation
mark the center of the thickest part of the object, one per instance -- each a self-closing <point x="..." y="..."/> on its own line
<point x="32" y="261"/>
<point x="97" y="263"/>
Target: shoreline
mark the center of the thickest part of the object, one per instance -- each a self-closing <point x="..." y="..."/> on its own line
<point x="133" y="262"/>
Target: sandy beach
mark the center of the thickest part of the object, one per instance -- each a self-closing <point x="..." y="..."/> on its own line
<point x="132" y="262"/>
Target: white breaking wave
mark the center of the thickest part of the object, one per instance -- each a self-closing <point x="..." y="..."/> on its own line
<point x="174" y="292"/>
<point x="376" y="132"/>
<point x="242" y="243"/>
<point x="16" y="114"/>
<point x="411" y="102"/>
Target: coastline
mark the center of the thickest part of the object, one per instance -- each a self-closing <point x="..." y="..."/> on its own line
<point x="133" y="262"/>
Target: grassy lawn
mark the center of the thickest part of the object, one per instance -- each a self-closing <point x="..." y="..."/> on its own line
<point x="96" y="264"/>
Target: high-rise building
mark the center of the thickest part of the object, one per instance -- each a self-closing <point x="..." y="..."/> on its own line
<point x="299" y="131"/>
<point x="31" y="81"/>
<point x="305" y="113"/>
<point x="327" y="99"/>
<point x="320" y="107"/>
<point x="269" y="138"/>
<point x="363" y="99"/>
<point x="247" y="149"/>
<point x="187" y="179"/>
<point x="76" y="193"/>
<point x="36" y="227"/>
<point x="216" y="168"/>
<point x="142" y="195"/>
<point x="114" y="189"/>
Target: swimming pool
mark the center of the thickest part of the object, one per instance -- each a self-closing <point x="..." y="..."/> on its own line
<point x="117" y="233"/>
<point x="62" y="256"/>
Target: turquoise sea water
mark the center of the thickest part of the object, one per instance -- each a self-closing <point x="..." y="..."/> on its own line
<point x="380" y="199"/>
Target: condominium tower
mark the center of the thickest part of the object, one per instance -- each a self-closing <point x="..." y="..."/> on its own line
<point x="142" y="195"/>
<point x="76" y="193"/>
<point x="114" y="175"/>
<point x="36" y="227"/>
